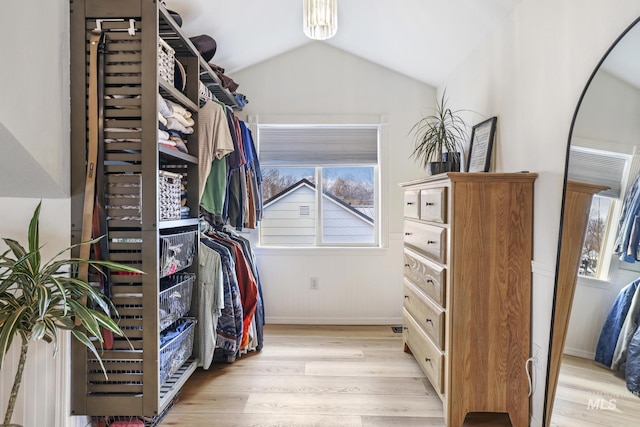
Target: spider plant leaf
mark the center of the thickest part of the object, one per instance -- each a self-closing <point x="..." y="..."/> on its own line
<point x="88" y="321"/>
<point x="10" y="327"/>
<point x="108" y="323"/>
<point x="43" y="298"/>
<point x="442" y="131"/>
<point x="16" y="249"/>
<point x="80" y="336"/>
<point x="38" y="331"/>
<point x="34" y="237"/>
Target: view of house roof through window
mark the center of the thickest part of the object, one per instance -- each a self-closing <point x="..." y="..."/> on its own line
<point x="344" y="161"/>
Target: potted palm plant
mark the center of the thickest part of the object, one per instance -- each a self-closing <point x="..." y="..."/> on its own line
<point x="439" y="139"/>
<point x="38" y="300"/>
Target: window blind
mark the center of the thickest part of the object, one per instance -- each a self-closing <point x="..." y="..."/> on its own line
<point x="317" y="145"/>
<point x="598" y="167"/>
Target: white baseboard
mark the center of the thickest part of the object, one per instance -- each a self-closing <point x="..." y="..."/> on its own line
<point x="579" y="353"/>
<point x="332" y="321"/>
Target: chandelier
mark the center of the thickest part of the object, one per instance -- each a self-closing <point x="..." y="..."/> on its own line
<point x="320" y="18"/>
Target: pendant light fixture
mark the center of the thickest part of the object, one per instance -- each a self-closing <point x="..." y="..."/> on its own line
<point x="320" y="18"/>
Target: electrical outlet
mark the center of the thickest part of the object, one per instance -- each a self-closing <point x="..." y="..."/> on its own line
<point x="313" y="283"/>
<point x="537" y="352"/>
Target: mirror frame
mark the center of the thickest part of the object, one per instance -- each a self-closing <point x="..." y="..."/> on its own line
<point x="558" y="332"/>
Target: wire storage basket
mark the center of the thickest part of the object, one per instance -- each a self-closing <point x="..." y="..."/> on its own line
<point x="169" y="196"/>
<point x="176" y="346"/>
<point x="175" y="298"/>
<point x="166" y="61"/>
<point x="177" y="252"/>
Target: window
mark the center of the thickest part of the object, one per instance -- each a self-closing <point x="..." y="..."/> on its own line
<point x="594" y="239"/>
<point x="319" y="185"/>
<point x="604" y="168"/>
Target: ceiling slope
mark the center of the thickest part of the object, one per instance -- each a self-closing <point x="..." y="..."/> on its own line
<point x="423" y="39"/>
<point x="22" y="175"/>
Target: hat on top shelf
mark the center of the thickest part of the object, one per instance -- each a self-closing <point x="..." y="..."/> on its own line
<point x="206" y="46"/>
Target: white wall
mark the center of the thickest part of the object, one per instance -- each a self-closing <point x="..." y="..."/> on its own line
<point x="530" y="73"/>
<point x="319" y="82"/>
<point x="34" y="111"/>
<point x="609" y="113"/>
<point x="34" y="164"/>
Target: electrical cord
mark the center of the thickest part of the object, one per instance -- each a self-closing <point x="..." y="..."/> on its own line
<point x="534" y="360"/>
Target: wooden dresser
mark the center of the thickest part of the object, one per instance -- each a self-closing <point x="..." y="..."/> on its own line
<point x="467" y="289"/>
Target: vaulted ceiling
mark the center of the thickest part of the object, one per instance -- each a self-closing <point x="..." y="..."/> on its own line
<point x="423" y="39"/>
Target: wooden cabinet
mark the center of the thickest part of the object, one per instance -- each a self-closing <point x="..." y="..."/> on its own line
<point x="144" y="375"/>
<point x="467" y="289"/>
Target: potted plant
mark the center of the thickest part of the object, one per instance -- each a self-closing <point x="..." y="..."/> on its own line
<point x="38" y="300"/>
<point x="439" y="139"/>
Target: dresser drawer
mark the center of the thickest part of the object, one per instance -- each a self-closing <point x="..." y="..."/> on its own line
<point x="425" y="238"/>
<point x="433" y="204"/>
<point x="430" y="359"/>
<point x="427" y="276"/>
<point x="428" y="315"/>
<point x="411" y="204"/>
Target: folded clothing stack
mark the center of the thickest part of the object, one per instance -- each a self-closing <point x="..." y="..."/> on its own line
<point x="174" y="124"/>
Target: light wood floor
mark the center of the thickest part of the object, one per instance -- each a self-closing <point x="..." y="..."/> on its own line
<point x="355" y="376"/>
<point x="582" y="381"/>
<point x="358" y="376"/>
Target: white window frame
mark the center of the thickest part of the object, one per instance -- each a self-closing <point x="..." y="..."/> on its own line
<point x="380" y="221"/>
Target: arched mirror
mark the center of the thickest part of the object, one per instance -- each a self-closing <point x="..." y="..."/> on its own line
<point x="594" y="358"/>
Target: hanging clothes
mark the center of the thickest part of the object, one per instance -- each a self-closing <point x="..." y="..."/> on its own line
<point x="632" y="371"/>
<point x="628" y="233"/>
<point x="214" y="140"/>
<point x="215" y="191"/>
<point x="631" y="321"/>
<point x="229" y="329"/>
<point x="254" y="178"/>
<point x="246" y="283"/>
<point x="613" y="324"/>
<point x="210" y="302"/>
<point x="230" y="199"/>
<point x="259" y="312"/>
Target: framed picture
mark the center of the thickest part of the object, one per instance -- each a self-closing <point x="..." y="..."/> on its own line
<point x="481" y="146"/>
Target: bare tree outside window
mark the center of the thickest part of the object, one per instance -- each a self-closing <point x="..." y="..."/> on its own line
<point x="594" y="236"/>
<point x="276" y="180"/>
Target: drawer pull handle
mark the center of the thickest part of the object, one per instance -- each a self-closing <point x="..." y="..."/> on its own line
<point x="430" y="281"/>
<point x="405" y="328"/>
<point x="430" y="321"/>
<point x="407" y="265"/>
<point x="409" y="203"/>
<point x="426" y="359"/>
<point x="406" y="297"/>
<point x="408" y="234"/>
<point x="431" y="242"/>
<point x="429" y="204"/>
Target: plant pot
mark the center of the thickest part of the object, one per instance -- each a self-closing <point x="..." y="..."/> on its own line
<point x="435" y="168"/>
<point x="452" y="160"/>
